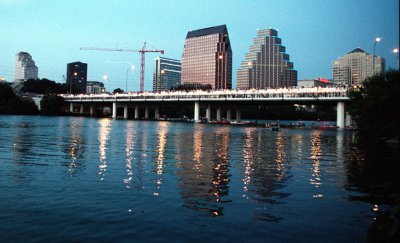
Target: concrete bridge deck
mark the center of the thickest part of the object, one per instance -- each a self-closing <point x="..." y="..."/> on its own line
<point x="336" y="95"/>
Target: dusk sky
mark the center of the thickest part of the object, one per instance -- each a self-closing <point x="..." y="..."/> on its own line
<point x="314" y="32"/>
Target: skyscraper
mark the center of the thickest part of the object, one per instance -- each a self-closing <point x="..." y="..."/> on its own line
<point x="266" y="64"/>
<point x="77" y="76"/>
<point x="355" y="67"/>
<point x="25" y="67"/>
<point x="207" y="58"/>
<point x="167" y="74"/>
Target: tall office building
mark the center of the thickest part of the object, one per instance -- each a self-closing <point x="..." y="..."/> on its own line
<point x="167" y="74"/>
<point x="355" y="67"/>
<point x="207" y="58"/>
<point x="77" y="75"/>
<point x="25" y="67"/>
<point x="266" y="64"/>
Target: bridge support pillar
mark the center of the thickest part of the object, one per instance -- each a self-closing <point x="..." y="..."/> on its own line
<point x="208" y="112"/>
<point x="81" y="109"/>
<point x="348" y="119"/>
<point x="91" y="112"/>
<point x="126" y="111"/>
<point x="71" y="107"/>
<point x="196" y="111"/>
<point x="219" y="113"/>
<point x="238" y="115"/>
<point x="146" y="113"/>
<point x="114" y="110"/>
<point x="136" y="112"/>
<point x="340" y="115"/>
<point x="156" y="112"/>
<point x="228" y="115"/>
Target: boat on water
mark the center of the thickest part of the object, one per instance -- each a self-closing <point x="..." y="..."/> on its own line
<point x="272" y="126"/>
<point x="222" y="122"/>
<point x="243" y="123"/>
<point x="324" y="126"/>
<point x="293" y="125"/>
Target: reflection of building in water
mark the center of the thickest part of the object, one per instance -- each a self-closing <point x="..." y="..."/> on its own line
<point x="264" y="172"/>
<point x="280" y="156"/>
<point x="130" y="132"/>
<point x="316" y="153"/>
<point x="203" y="168"/>
<point x="76" y="149"/>
<point x="138" y="154"/>
<point x="248" y="156"/>
<point x="162" y="142"/>
<point x="220" y="170"/>
<point x="104" y="136"/>
<point x="297" y="147"/>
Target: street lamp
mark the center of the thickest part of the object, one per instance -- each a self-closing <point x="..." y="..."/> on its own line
<point x="127" y="71"/>
<point x="105" y="77"/>
<point x="377" y="39"/>
<point x="396" y="52"/>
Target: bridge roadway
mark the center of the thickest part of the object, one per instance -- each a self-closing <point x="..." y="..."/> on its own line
<point x="315" y="95"/>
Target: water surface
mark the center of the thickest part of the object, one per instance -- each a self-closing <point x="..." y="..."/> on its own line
<point x="75" y="179"/>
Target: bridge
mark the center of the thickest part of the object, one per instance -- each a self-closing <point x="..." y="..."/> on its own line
<point x="207" y="99"/>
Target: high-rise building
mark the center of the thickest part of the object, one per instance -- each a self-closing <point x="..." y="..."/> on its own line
<point x="207" y="58"/>
<point x="266" y="64"/>
<point x="25" y="67"/>
<point x="355" y="67"/>
<point x="77" y="76"/>
<point x="167" y="74"/>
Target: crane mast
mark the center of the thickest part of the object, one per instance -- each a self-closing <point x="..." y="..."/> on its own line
<point x="142" y="58"/>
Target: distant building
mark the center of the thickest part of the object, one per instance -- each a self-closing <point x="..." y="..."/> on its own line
<point x="77" y="75"/>
<point x="207" y="58"/>
<point x="25" y="67"/>
<point x="317" y="82"/>
<point x="267" y="64"/>
<point x="94" y="87"/>
<point x="355" y="67"/>
<point x="167" y="74"/>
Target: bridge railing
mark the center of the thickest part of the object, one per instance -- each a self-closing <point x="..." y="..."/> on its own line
<point x="336" y="92"/>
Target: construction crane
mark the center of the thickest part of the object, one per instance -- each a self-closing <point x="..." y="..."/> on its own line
<point x="142" y="54"/>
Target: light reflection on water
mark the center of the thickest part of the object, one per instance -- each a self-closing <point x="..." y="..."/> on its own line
<point x="104" y="133"/>
<point x="183" y="179"/>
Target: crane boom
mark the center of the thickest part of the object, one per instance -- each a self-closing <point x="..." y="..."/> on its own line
<point x="142" y="54"/>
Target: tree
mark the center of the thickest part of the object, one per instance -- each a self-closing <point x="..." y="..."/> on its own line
<point x="45" y="86"/>
<point x="374" y="107"/>
<point x="118" y="90"/>
<point x="51" y="104"/>
<point x="6" y="93"/>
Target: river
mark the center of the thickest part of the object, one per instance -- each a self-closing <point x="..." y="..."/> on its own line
<point x="89" y="179"/>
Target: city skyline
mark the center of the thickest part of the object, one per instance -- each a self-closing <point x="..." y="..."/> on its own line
<point x="315" y="33"/>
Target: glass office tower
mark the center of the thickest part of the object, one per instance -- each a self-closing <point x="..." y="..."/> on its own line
<point x="207" y="58"/>
<point x="167" y="74"/>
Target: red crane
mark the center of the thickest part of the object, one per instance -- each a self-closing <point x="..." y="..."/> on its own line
<point x="142" y="54"/>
